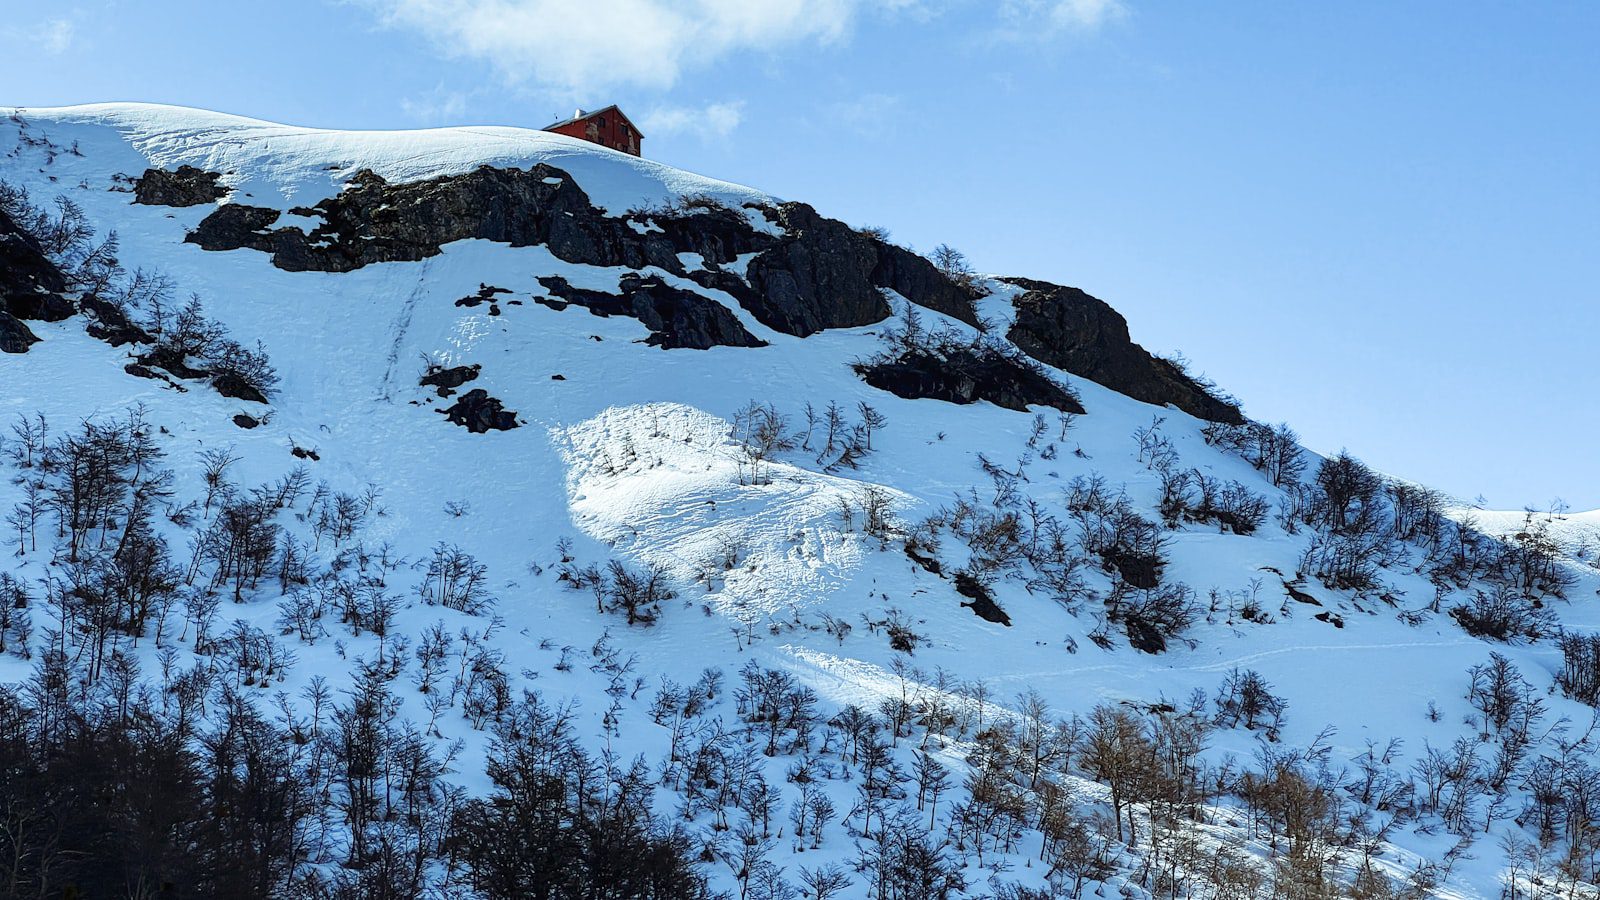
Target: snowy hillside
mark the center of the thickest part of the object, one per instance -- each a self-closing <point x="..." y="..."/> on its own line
<point x="1577" y="534"/>
<point x="521" y="438"/>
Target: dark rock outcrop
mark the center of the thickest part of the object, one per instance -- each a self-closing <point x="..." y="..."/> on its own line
<point x="373" y="221"/>
<point x="921" y="282"/>
<point x="478" y="412"/>
<point x="486" y="294"/>
<point x="15" y="337"/>
<point x="1069" y="329"/>
<point x="676" y="318"/>
<point x="1139" y="570"/>
<point x="230" y="384"/>
<point x="717" y="233"/>
<point x="967" y="375"/>
<point x="448" y="379"/>
<point x="819" y="277"/>
<point x="40" y="306"/>
<point x="816" y="274"/>
<point x="825" y="274"/>
<point x="31" y="287"/>
<point x="819" y="274"/>
<point x="172" y="361"/>
<point x="184" y="186"/>
<point x="235" y="225"/>
<point x="929" y="564"/>
<point x="112" y="325"/>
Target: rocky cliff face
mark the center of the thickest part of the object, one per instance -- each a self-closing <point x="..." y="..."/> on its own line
<point x="31" y="287"/>
<point x="825" y="274"/>
<point x="809" y="274"/>
<point x="1069" y="329"/>
<point x="819" y="273"/>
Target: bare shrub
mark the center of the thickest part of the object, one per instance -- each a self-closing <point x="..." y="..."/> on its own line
<point x="1246" y="699"/>
<point x="456" y="580"/>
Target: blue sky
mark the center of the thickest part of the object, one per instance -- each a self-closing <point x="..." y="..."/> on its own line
<point x="1378" y="221"/>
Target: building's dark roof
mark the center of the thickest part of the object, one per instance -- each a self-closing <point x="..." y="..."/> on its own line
<point x="583" y="115"/>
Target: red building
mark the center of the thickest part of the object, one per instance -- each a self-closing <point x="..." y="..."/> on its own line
<point x="607" y="127"/>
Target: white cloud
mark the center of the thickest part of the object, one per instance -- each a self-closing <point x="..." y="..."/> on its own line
<point x="1046" y="18"/>
<point x="596" y="45"/>
<point x="55" y="35"/>
<point x="49" y="36"/>
<point x="586" y="48"/>
<point x="714" y="120"/>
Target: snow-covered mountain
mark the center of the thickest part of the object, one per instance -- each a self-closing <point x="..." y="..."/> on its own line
<point x="470" y="412"/>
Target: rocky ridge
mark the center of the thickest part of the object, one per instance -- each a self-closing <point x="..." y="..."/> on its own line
<point x="794" y="270"/>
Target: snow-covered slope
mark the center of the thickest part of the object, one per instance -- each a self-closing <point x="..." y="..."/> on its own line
<point x="281" y="165"/>
<point x="1578" y="533"/>
<point x="629" y="453"/>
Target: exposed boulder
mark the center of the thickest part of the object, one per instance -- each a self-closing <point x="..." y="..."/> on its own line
<point x="967" y="375"/>
<point x="478" y="412"/>
<point x="15" y="337"/>
<point x="1069" y="329"/>
<point x="110" y="324"/>
<point x="168" y="359"/>
<point x="40" y="306"/>
<point x="676" y="318"/>
<point x="929" y="564"/>
<point x="184" y="186"/>
<point x="448" y="379"/>
<point x="232" y="384"/>
<point x="235" y="225"/>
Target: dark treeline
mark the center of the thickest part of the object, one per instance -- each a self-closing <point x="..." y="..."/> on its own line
<point x="109" y="789"/>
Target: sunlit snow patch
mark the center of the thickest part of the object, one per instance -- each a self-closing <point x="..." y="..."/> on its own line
<point x="662" y="484"/>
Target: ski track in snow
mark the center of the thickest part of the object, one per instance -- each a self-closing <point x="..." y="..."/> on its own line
<point x="401" y="326"/>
